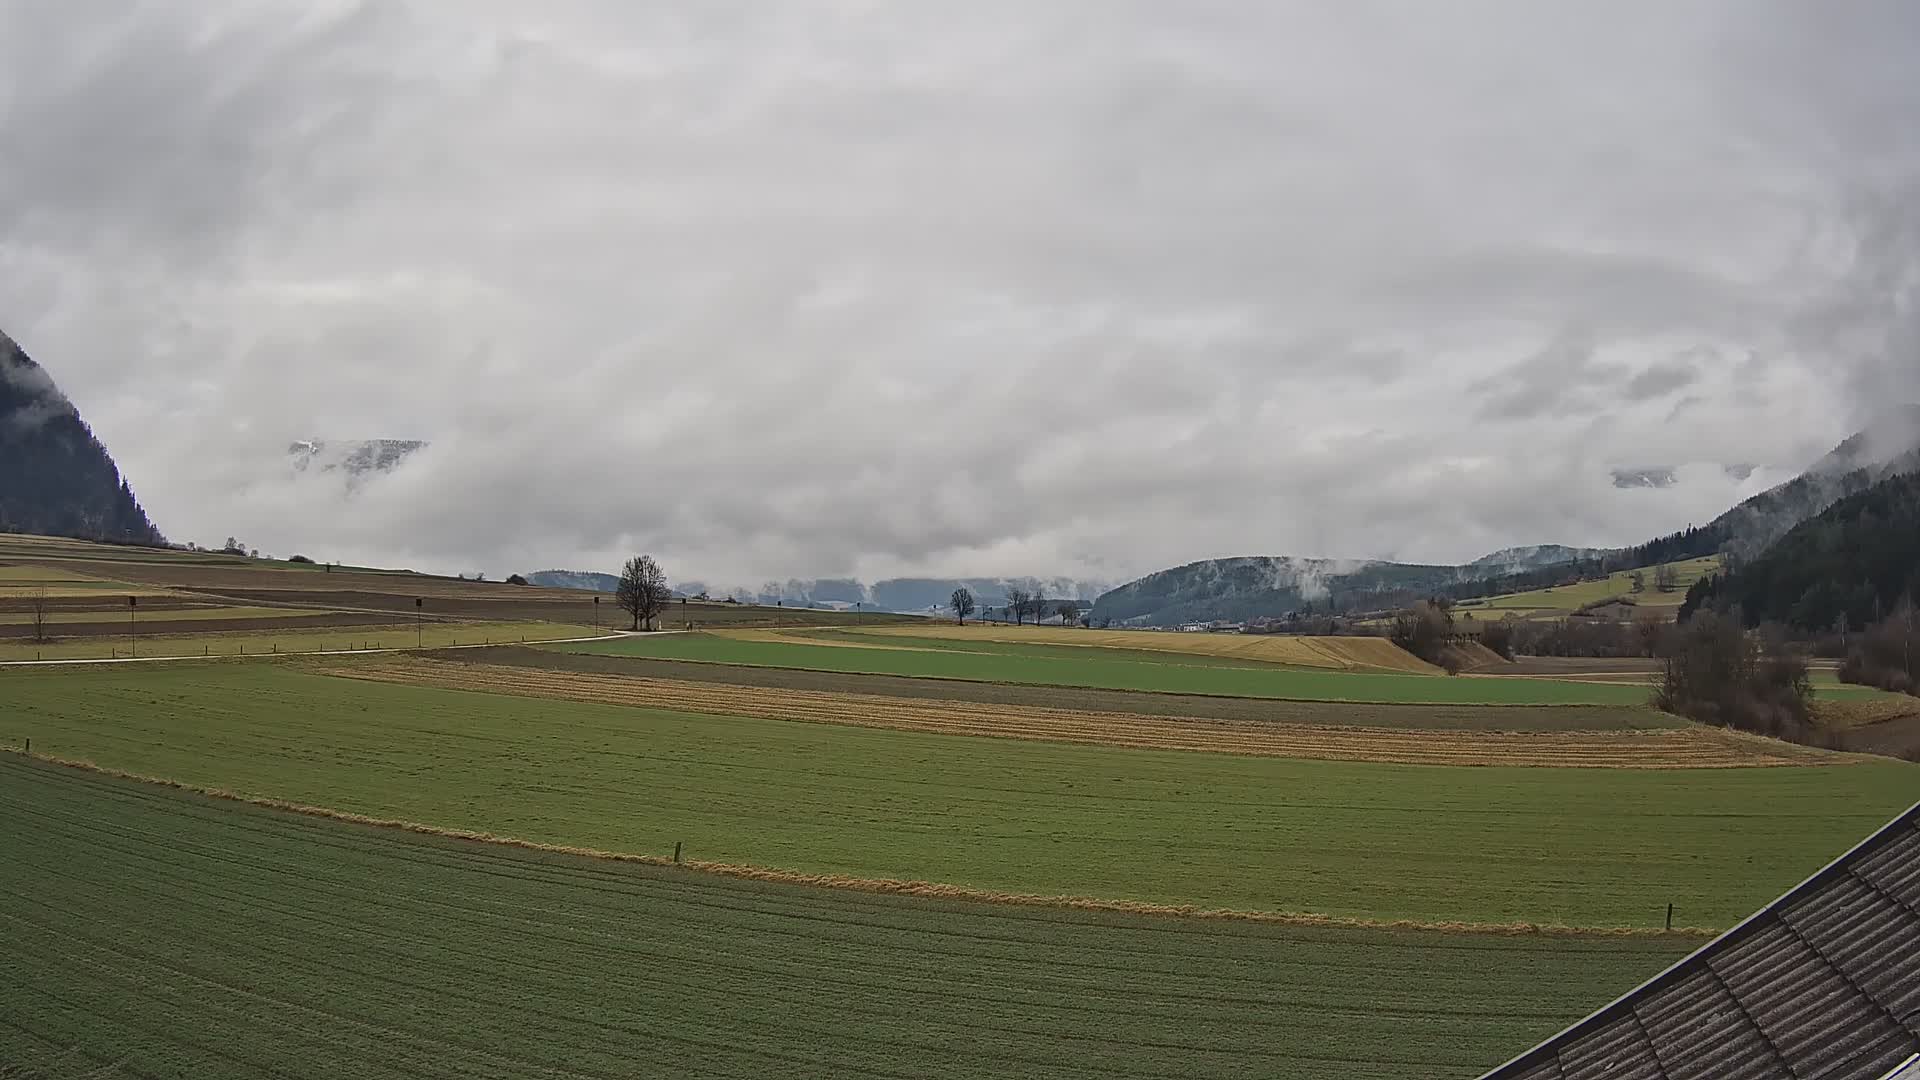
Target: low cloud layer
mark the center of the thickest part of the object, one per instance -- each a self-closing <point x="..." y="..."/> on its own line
<point x="849" y="289"/>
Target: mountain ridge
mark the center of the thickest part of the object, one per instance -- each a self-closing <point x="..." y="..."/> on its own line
<point x="1247" y="587"/>
<point x="56" y="478"/>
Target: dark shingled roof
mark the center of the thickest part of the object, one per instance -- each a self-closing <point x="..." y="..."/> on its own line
<point x="1822" y="984"/>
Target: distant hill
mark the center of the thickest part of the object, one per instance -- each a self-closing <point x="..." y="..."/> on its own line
<point x="1251" y="587"/>
<point x="897" y="594"/>
<point x="55" y="477"/>
<point x="1888" y="447"/>
<point x="585" y="580"/>
<point x="1515" y="559"/>
<point x="1855" y="559"/>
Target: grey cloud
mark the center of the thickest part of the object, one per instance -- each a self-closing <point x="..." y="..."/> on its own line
<point x="1663" y="377"/>
<point x="830" y="289"/>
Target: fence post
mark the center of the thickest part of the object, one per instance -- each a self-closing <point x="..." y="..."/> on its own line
<point x="676" y="853"/>
<point x="1669" y="916"/>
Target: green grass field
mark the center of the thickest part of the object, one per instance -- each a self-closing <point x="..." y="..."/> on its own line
<point x="1567" y="598"/>
<point x="1564" y="846"/>
<point x="1068" y="666"/>
<point x="156" y="933"/>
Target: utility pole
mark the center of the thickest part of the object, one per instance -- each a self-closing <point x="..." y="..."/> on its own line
<point x="419" y="630"/>
<point x="133" y="642"/>
<point x="596" y="613"/>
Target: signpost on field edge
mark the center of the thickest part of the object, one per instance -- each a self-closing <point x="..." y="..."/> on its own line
<point x="596" y="614"/>
<point x="419" y="631"/>
<point x="133" y="643"/>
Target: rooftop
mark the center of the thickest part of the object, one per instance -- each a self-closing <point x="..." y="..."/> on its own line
<point x="1822" y="984"/>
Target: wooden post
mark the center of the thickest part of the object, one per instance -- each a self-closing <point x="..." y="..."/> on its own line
<point x="29" y="748"/>
<point x="676" y="853"/>
<point x="1669" y="916"/>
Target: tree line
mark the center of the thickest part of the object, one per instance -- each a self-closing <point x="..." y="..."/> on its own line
<point x="1021" y="605"/>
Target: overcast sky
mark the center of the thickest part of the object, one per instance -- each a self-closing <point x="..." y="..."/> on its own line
<point x="870" y="288"/>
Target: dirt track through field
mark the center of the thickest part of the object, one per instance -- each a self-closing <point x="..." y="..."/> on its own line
<point x="1684" y="748"/>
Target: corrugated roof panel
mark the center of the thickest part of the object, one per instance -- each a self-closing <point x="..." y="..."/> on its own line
<point x="1906" y="1070"/>
<point x="1699" y="1029"/>
<point x="1617" y="1050"/>
<point x="1853" y="923"/>
<point x="1805" y="1008"/>
<point x="1895" y="868"/>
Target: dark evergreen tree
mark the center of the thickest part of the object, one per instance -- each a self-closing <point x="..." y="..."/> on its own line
<point x="55" y="477"/>
<point x="1852" y="564"/>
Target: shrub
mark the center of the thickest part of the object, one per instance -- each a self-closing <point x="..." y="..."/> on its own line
<point x="298" y="558"/>
<point x="1425" y="632"/>
<point x="516" y="579"/>
<point x="1716" y="673"/>
<point x="1886" y="655"/>
<point x="1499" y="637"/>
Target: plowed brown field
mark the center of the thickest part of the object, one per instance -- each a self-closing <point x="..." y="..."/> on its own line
<point x="1684" y="748"/>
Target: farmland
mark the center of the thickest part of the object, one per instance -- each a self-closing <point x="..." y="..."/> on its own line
<point x="1425" y="717"/>
<point x="910" y="849"/>
<point x="1566" y="599"/>
<point x="1334" y="653"/>
<point x="170" y="934"/>
<point x="1102" y="668"/>
<point x="106" y="574"/>
<point x="1690" y="747"/>
<point x="285" y="637"/>
<point x="1582" y="847"/>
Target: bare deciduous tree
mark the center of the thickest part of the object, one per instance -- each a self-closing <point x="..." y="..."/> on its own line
<point x="962" y="604"/>
<point x="1069" y="611"/>
<point x="1017" y="602"/>
<point x="37" y="606"/>
<point x="642" y="591"/>
<point x="1666" y="578"/>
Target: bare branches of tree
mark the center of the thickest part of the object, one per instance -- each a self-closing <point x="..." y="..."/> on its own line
<point x="37" y="612"/>
<point x="962" y="604"/>
<point x="1666" y="578"/>
<point x="1019" y="601"/>
<point x="642" y="591"/>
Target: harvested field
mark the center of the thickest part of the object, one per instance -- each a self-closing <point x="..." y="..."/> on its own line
<point x="1204" y="706"/>
<point x="265" y="581"/>
<point x="1688" y="748"/>
<point x="265" y="637"/>
<point x="1336" y="653"/>
<point x="1861" y="711"/>
<point x="1492" y="845"/>
<point x="1892" y="736"/>
<point x="154" y="932"/>
<point x="1114" y="669"/>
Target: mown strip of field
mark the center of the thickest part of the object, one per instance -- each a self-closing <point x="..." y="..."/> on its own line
<point x="1585" y="847"/>
<point x="1210" y="706"/>
<point x="1687" y="748"/>
<point x="379" y="631"/>
<point x="153" y="932"/>
<point x="1066" y="666"/>
<point x="1294" y="650"/>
